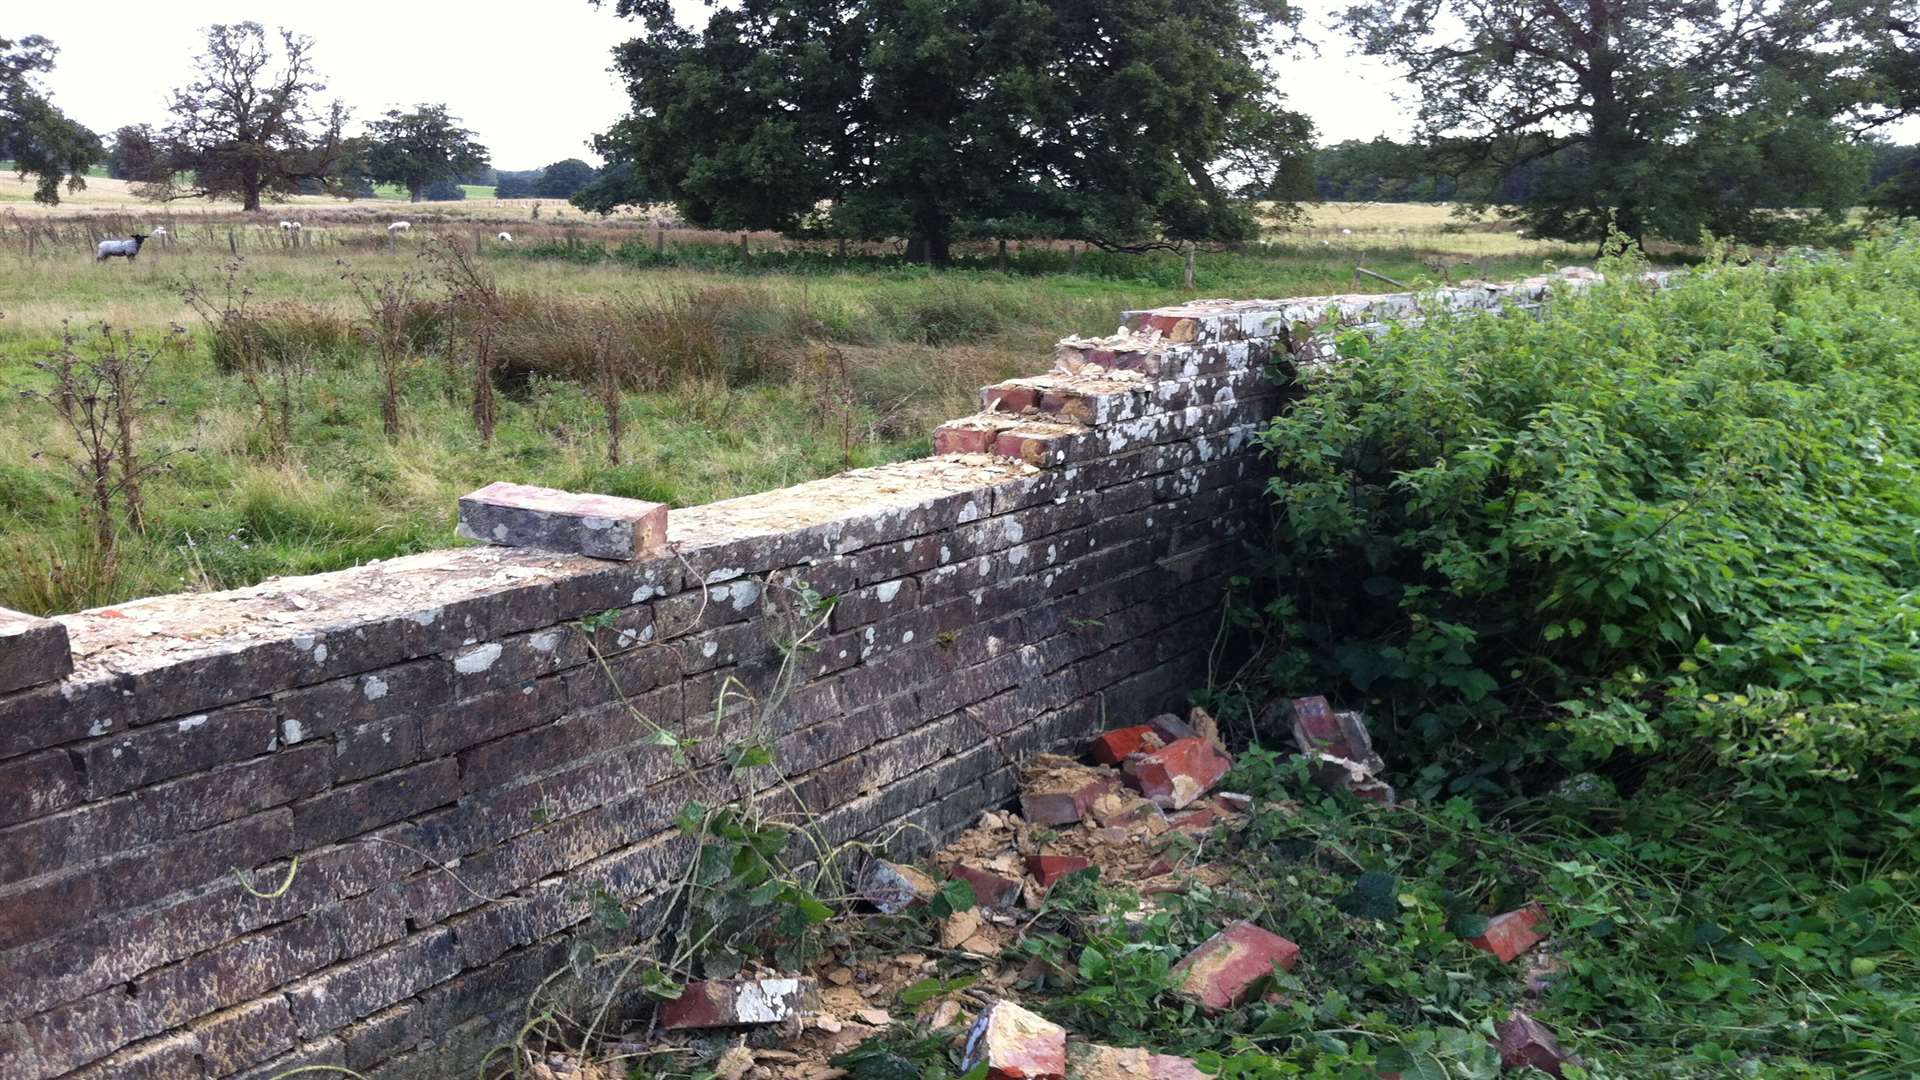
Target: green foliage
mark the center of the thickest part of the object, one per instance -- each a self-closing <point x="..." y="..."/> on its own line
<point x="1660" y="117"/>
<point x="1678" y="522"/>
<point x="422" y="149"/>
<point x="954" y="119"/>
<point x="36" y="138"/>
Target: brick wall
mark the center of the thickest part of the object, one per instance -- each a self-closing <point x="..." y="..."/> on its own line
<point x="433" y="741"/>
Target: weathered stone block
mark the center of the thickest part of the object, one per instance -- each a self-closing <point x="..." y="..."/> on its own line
<point x="32" y="651"/>
<point x="602" y="526"/>
<point x="892" y="888"/>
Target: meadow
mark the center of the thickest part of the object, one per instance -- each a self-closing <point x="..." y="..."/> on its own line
<point x="742" y="366"/>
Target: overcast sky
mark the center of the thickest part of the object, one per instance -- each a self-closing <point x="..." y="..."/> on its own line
<point x="531" y="81"/>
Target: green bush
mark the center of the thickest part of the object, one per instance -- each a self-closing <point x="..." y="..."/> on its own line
<point x="1679" y="523"/>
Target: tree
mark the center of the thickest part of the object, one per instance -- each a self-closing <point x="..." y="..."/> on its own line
<point x="36" y="136"/>
<point x="516" y="185"/>
<point x="1126" y="123"/>
<point x="1894" y="72"/>
<point x="247" y="126"/>
<point x="562" y="179"/>
<point x="443" y="191"/>
<point x="1658" y="116"/>
<point x="417" y="148"/>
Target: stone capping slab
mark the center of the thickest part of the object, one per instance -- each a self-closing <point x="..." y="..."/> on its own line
<point x="846" y="512"/>
<point x="601" y="526"/>
<point x="32" y="650"/>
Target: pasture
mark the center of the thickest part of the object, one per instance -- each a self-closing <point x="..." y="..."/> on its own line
<point x="737" y="371"/>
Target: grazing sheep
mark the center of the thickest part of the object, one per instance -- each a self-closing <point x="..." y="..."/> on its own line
<point x="289" y="226"/>
<point x="399" y="227"/>
<point x="159" y="231"/>
<point x="505" y="238"/>
<point x="128" y="249"/>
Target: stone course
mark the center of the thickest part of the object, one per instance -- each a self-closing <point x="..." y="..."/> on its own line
<point x="353" y="819"/>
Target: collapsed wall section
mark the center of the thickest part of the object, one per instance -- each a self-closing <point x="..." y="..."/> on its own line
<point x="355" y="818"/>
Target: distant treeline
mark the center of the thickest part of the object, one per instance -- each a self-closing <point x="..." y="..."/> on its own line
<point x="1382" y="170"/>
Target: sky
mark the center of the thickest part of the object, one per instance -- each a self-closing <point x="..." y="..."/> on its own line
<point x="530" y="81"/>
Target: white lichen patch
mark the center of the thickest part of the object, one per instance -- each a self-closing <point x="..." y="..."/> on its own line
<point x="475" y="660"/>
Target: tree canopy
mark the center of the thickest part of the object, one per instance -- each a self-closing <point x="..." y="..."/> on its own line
<point x="562" y="179"/>
<point x="35" y="135"/>
<point x="416" y="149"/>
<point x="1124" y="123"/>
<point x="1657" y="116"/>
<point x="249" y="126"/>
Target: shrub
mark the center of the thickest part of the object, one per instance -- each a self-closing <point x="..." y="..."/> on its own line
<point x="1678" y="523"/>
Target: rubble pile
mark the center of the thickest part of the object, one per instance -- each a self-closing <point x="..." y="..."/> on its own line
<point x="1141" y="809"/>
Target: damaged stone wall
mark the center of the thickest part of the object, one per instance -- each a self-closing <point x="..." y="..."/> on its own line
<point x="434" y="742"/>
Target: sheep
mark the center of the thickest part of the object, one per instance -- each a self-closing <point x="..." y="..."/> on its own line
<point x="127" y="249"/>
<point x="505" y="238"/>
<point x="159" y="232"/>
<point x="289" y="226"/>
<point x="399" y="227"/>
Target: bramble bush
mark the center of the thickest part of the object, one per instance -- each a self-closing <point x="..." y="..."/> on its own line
<point x="1681" y="523"/>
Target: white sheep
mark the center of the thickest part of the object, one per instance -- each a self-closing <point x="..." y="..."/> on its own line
<point x="505" y="238"/>
<point x="399" y="227"/>
<point x="127" y="249"/>
<point x="159" y="231"/>
<point x="289" y="226"/>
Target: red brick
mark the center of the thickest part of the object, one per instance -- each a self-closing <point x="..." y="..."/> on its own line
<point x="1047" y="869"/>
<point x="1008" y="397"/>
<point x="1038" y="448"/>
<point x="1179" y="773"/>
<point x="346" y="992"/>
<point x="1525" y="1042"/>
<point x="1113" y="747"/>
<point x="1015" y="1044"/>
<point x="738" y="1002"/>
<point x="989" y="888"/>
<point x="1222" y="973"/>
<point x="962" y="439"/>
<point x="1512" y="933"/>
<point x="1197" y="821"/>
<point x="1233" y="802"/>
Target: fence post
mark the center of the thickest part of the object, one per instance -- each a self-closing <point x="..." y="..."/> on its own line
<point x="233" y="244"/>
<point x="1187" y="278"/>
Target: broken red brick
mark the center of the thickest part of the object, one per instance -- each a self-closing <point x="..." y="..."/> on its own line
<point x="1222" y="972"/>
<point x="1095" y="1062"/>
<point x="1114" y="747"/>
<point x="1171" y="728"/>
<point x="734" y="1002"/>
<point x="1038" y="448"/>
<point x="1047" y="869"/>
<point x="1015" y="1044"/>
<point x="892" y="888"/>
<point x="1179" y="773"/>
<point x="989" y="888"/>
<point x="1525" y="1041"/>
<point x="1513" y="933"/>
<point x="1062" y="806"/>
<point x="1197" y="821"/>
<point x="1318" y="729"/>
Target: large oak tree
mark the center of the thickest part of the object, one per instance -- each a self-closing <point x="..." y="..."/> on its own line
<point x="1125" y="123"/>
<point x="1658" y="116"/>
<point x="35" y="135"/>
<point x="416" y="149"/>
<point x="249" y="126"/>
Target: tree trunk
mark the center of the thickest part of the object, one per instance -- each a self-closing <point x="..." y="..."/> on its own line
<point x="414" y="189"/>
<point x="250" y="199"/>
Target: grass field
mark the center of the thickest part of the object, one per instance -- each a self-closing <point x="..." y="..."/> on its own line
<point x="740" y="375"/>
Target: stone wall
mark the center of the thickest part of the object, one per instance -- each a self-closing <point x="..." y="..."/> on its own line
<point x="434" y="741"/>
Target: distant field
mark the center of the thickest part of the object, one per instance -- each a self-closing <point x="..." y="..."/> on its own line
<point x="742" y="375"/>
